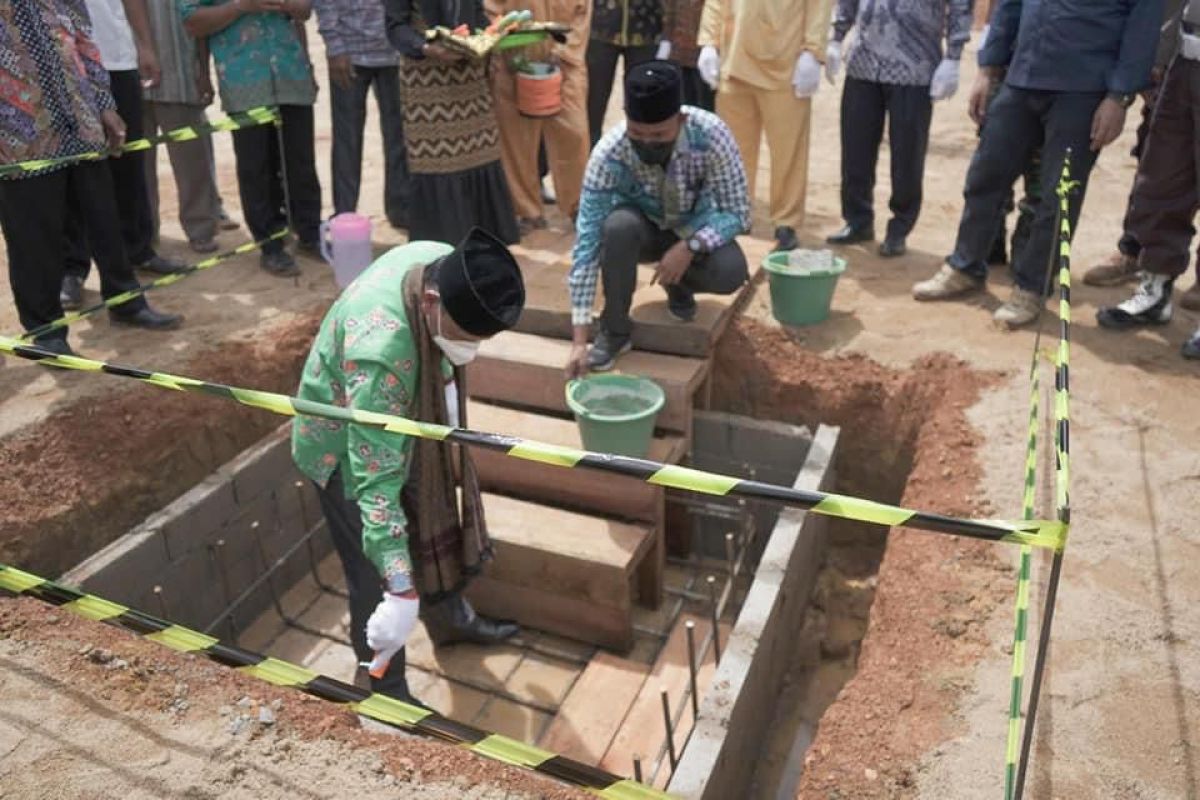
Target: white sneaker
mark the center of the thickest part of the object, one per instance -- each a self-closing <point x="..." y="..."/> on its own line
<point x="1022" y="308"/>
<point x="948" y="282"/>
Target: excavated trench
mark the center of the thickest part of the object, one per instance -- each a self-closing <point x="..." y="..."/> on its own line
<point x="889" y="420"/>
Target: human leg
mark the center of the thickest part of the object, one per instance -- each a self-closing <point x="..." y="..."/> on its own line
<point x="910" y="112"/>
<point x="348" y="115"/>
<point x="33" y="215"/>
<point x="862" y="117"/>
<point x="193" y="172"/>
<point x="566" y="140"/>
<point x="397" y="185"/>
<point x="300" y="172"/>
<point x="601" y="69"/>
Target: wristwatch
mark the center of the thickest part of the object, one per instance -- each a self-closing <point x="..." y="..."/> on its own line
<point x="696" y="246"/>
<point x="1125" y="100"/>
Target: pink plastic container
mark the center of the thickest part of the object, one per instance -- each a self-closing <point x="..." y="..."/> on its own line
<point x="346" y="246"/>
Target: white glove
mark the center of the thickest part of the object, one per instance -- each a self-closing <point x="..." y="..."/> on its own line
<point x="983" y="37"/>
<point x="945" y="80"/>
<point x="709" y="64"/>
<point x="389" y="628"/>
<point x="664" y="50"/>
<point x="452" y="404"/>
<point x="833" y="61"/>
<point x="806" y="79"/>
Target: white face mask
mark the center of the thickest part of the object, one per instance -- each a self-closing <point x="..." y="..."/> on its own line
<point x="457" y="352"/>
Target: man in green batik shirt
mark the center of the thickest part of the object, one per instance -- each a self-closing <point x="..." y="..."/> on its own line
<point x="395" y="343"/>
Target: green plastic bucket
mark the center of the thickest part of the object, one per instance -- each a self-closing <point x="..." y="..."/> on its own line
<point x="616" y="413"/>
<point x="801" y="297"/>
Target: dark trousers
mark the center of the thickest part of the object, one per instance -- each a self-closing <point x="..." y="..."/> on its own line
<point x="602" y="70"/>
<point x="908" y="111"/>
<point x="349" y="111"/>
<point x="629" y="239"/>
<point x="1166" y="191"/>
<point x="129" y="186"/>
<point x="34" y="213"/>
<point x="262" y="169"/>
<point x="363" y="582"/>
<point x="696" y="92"/>
<point x="1018" y="121"/>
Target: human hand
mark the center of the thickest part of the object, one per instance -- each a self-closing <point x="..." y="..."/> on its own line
<point x="833" y="60"/>
<point x="149" y="69"/>
<point x="114" y="131"/>
<point x="1107" y="123"/>
<point x="945" y="80"/>
<point x="389" y="627"/>
<point x="664" y="50"/>
<point x="577" y="366"/>
<point x="981" y="95"/>
<point x="441" y="53"/>
<point x="709" y="64"/>
<point x="806" y="78"/>
<point x="341" y="71"/>
<point x="672" y="265"/>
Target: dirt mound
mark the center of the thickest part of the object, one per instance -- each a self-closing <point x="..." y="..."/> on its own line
<point x="93" y="470"/>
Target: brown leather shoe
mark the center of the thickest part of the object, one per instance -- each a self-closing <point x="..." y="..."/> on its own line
<point x="1191" y="298"/>
<point x="1116" y="270"/>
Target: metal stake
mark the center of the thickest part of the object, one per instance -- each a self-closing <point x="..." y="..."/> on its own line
<point x="716" y="621"/>
<point x="730" y="561"/>
<point x="690" y="627"/>
<point x="230" y="617"/>
<point x="162" y="603"/>
<point x="637" y="768"/>
<point x="313" y="567"/>
<point x="666" y="704"/>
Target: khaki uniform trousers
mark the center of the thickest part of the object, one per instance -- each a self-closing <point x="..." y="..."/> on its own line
<point x="748" y="111"/>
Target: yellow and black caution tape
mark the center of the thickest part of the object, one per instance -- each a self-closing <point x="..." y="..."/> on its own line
<point x="1014" y="785"/>
<point x="166" y="280"/>
<point x="235" y="121"/>
<point x="1049" y="534"/>
<point x="388" y="710"/>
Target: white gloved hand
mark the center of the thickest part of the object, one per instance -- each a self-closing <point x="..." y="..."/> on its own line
<point x="709" y="64"/>
<point x="806" y="78"/>
<point x="945" y="80"/>
<point x="452" y="404"/>
<point x="833" y="60"/>
<point x="664" y="50"/>
<point x="389" y="628"/>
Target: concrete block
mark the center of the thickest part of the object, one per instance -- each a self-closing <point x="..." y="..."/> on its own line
<point x="125" y="569"/>
<point x="261" y="468"/>
<point x="198" y="513"/>
<point x="720" y="756"/>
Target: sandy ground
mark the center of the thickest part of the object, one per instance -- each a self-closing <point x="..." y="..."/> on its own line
<point x="1120" y="704"/>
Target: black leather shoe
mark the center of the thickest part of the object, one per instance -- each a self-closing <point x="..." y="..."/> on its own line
<point x="71" y="294"/>
<point x="851" y="235"/>
<point x="55" y="344"/>
<point x="146" y="317"/>
<point x="161" y="265"/>
<point x="893" y="246"/>
<point x="1191" y="348"/>
<point x="681" y="304"/>
<point x="785" y="239"/>
<point x="279" y="264"/>
<point x="453" y="620"/>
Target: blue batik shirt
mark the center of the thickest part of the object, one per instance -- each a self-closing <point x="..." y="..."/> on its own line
<point x="899" y="42"/>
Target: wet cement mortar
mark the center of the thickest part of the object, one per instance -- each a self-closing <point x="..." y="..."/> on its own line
<point x="896" y="623"/>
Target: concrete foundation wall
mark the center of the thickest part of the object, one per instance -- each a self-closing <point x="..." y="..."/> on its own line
<point x="719" y="760"/>
<point x="203" y="550"/>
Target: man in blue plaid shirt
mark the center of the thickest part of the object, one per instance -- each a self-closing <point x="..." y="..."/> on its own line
<point x="666" y="187"/>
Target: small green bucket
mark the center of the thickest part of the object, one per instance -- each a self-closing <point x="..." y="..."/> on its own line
<point x="616" y="413"/>
<point x="801" y="297"/>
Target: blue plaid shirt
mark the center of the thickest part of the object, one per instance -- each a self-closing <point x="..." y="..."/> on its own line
<point x="702" y="193"/>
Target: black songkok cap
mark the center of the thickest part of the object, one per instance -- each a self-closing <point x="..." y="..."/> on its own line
<point x="481" y="286"/>
<point x="653" y="91"/>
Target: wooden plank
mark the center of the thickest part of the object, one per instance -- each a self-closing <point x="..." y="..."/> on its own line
<point x="547" y="305"/>
<point x="582" y="489"/>
<point x="582" y="620"/>
<point x="524" y="370"/>
<point x="593" y="711"/>
<point x="643" y="732"/>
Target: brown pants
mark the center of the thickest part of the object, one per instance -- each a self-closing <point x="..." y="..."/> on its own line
<point x="1166" y="192"/>
<point x="748" y="111"/>
<point x="566" y="133"/>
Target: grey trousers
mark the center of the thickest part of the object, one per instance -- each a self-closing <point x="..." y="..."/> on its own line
<point x="193" y="167"/>
<point x="629" y="239"/>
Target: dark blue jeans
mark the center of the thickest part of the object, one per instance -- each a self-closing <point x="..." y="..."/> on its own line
<point x="348" y="107"/>
<point x="1018" y="121"/>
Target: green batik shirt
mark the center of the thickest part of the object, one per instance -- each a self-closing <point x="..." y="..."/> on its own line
<point x="365" y="358"/>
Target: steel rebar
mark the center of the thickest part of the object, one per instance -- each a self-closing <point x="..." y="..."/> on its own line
<point x="666" y="706"/>
<point x="690" y="627"/>
<point x="716" y="617"/>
